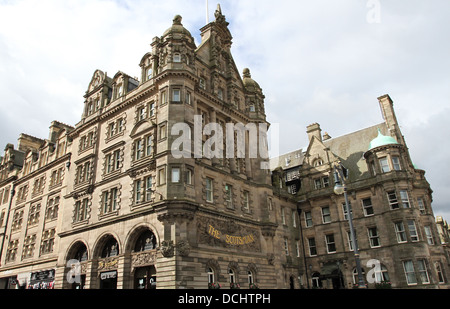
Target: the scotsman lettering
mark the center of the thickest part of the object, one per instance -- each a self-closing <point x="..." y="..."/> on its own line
<point x="230" y="239"/>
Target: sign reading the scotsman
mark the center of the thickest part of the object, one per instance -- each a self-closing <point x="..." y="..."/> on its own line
<point x="230" y="239"/>
<point x="227" y="233"/>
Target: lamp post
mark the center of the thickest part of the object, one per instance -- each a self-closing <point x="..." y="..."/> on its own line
<point x="340" y="174"/>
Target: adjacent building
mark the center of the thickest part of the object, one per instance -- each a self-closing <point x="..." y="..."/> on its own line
<point x="161" y="185"/>
<point x="389" y="201"/>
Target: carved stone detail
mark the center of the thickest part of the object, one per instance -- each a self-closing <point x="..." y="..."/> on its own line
<point x="143" y="258"/>
<point x="167" y="248"/>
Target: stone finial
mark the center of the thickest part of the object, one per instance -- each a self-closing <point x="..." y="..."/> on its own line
<point x="246" y="73"/>
<point x="177" y="20"/>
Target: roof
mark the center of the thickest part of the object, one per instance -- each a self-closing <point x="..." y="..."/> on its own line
<point x="349" y="148"/>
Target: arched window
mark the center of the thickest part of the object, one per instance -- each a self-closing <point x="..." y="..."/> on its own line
<point x="231" y="276"/>
<point x="147" y="241"/>
<point x="316" y="282"/>
<point x="210" y="275"/>
<point x="81" y="253"/>
<point x="318" y="162"/>
<point x="111" y="248"/>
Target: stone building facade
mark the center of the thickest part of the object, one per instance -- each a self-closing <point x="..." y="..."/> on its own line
<point x="157" y="186"/>
<point x="133" y="215"/>
<point x="389" y="201"/>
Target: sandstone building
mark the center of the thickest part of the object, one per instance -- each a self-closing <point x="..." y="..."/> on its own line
<point x="389" y="200"/>
<point x="106" y="203"/>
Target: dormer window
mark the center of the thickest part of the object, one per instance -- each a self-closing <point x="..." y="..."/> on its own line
<point x="119" y="90"/>
<point x="149" y="73"/>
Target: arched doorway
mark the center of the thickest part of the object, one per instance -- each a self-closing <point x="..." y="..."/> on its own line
<point x="108" y="264"/>
<point x="143" y="259"/>
<point x="77" y="270"/>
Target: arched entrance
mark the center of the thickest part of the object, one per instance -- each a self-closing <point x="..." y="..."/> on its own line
<point x="143" y="259"/>
<point x="76" y="271"/>
<point x="108" y="262"/>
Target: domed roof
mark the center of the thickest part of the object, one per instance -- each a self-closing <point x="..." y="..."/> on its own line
<point x="382" y="140"/>
<point x="249" y="83"/>
<point x="177" y="27"/>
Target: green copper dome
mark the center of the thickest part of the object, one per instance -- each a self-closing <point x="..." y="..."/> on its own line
<point x="382" y="140"/>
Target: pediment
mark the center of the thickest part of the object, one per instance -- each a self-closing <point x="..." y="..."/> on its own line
<point x="142" y="127"/>
<point x="97" y="79"/>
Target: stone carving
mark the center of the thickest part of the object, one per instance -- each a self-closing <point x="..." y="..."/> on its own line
<point x="108" y="263"/>
<point x="183" y="248"/>
<point x="167" y="248"/>
<point x="143" y="258"/>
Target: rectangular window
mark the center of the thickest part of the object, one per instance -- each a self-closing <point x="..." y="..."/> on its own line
<point x="162" y="131"/>
<point x="52" y="208"/>
<point x="188" y="98"/>
<point x="421" y="204"/>
<point x="189" y="176"/>
<point x="229" y="196"/>
<point x="163" y="97"/>
<point x="392" y="198"/>
<point x="400" y="232"/>
<point x="308" y="219"/>
<point x="148" y="188"/>
<point x="81" y="210"/>
<point x="246" y="201"/>
<point x="138" y="149"/>
<point x="410" y="274"/>
<point x="396" y="163"/>
<point x="429" y="235"/>
<point x="152" y="108"/>
<point x="367" y="206"/>
<point x="209" y="190"/>
<point x="283" y="216"/>
<point x="326" y="216"/>
<point x="141" y="113"/>
<point x="28" y="246"/>
<point x="405" y="199"/>
<point x="312" y="246"/>
<point x="162" y="176"/>
<point x="48" y="241"/>
<point x="176" y="95"/>
<point x="423" y="272"/>
<point x="317" y="183"/>
<point x="412" y="230"/>
<point x="331" y="245"/>
<point x="137" y="191"/>
<point x="350" y="240"/>
<point x="384" y="165"/>
<point x="294" y="218"/>
<point x="286" y="246"/>
<point x="374" y="238"/>
<point x="175" y="174"/>
<point x="345" y="210"/>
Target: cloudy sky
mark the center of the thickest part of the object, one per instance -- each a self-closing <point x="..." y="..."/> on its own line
<point x="322" y="61"/>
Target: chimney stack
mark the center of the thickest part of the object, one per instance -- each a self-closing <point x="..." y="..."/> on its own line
<point x="314" y="130"/>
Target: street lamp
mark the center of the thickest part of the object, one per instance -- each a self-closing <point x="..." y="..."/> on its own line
<point x="340" y="174"/>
